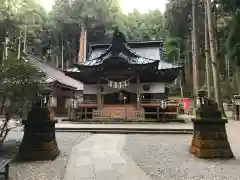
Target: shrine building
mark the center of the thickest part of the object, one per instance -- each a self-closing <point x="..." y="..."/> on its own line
<point x="121" y="80"/>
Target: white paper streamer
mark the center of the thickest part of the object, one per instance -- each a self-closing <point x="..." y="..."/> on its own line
<point x="118" y="85"/>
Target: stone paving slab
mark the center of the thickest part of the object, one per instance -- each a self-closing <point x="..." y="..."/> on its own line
<point x="126" y="126"/>
<point x="101" y="157"/>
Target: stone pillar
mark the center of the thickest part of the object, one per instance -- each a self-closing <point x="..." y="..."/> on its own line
<point x="99" y="98"/>
<point x="210" y="139"/>
<point x="138" y="93"/>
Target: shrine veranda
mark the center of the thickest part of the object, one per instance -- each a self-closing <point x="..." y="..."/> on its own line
<point x="125" y="80"/>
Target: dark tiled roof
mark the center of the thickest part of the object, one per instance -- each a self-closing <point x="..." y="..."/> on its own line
<point x="54" y="74"/>
<point x="131" y="52"/>
<point x="141" y="44"/>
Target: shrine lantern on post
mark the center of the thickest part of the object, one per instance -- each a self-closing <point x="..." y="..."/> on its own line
<point x="236" y="107"/>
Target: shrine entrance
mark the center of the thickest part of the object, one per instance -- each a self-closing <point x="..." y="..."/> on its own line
<point x="120" y="97"/>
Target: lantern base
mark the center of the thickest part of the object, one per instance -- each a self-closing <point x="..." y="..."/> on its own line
<point x="39" y="142"/>
<point x="210" y="139"/>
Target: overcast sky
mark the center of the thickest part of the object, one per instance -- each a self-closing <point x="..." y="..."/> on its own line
<point x="126" y="5"/>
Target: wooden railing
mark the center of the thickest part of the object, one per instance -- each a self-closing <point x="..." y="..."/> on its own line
<point x="138" y="115"/>
<point x="169" y="102"/>
<point x="128" y="114"/>
<point x="150" y="101"/>
<point x="89" y="102"/>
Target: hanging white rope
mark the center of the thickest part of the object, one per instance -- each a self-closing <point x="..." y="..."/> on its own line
<point x="118" y="85"/>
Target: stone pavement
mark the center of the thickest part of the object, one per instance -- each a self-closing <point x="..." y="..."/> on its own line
<point x="101" y="158"/>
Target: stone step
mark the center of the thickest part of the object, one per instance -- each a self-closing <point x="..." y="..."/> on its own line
<point x="129" y="131"/>
<point x="124" y="129"/>
<point x="114" y="121"/>
<point x="128" y="122"/>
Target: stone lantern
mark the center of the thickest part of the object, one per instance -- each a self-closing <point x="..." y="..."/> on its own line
<point x="39" y="142"/>
<point x="210" y="137"/>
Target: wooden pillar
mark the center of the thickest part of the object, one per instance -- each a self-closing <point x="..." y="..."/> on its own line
<point x="237" y="112"/>
<point x="102" y="96"/>
<point x="99" y="98"/>
<point x="158" y="114"/>
<point x="138" y="93"/>
<point x="85" y="112"/>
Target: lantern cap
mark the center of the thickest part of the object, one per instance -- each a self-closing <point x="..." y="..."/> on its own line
<point x="202" y="93"/>
<point x="45" y="91"/>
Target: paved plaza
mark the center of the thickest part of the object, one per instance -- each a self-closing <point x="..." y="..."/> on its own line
<point x="86" y="156"/>
<point x="101" y="158"/>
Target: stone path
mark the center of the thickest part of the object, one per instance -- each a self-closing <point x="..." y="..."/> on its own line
<point x="101" y="158"/>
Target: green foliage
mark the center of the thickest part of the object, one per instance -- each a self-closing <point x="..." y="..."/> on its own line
<point x="172" y="46"/>
<point x="100" y="18"/>
<point x="20" y="81"/>
<point x="233" y="40"/>
<point x="148" y="26"/>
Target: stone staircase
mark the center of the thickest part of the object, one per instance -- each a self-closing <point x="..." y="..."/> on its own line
<point x="124" y="112"/>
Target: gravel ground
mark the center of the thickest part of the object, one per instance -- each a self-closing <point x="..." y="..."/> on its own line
<point x="44" y="170"/>
<point x="166" y="157"/>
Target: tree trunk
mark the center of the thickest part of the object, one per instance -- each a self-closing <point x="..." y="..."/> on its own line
<point x="208" y="61"/>
<point x="228" y="78"/>
<point x="57" y="62"/>
<point x="19" y="46"/>
<point x="237" y="77"/>
<point x="215" y="63"/>
<point x="25" y="39"/>
<point x="6" y="40"/>
<point x="174" y="62"/>
<point x="67" y="64"/>
<point x="196" y="48"/>
<point x="62" y="55"/>
<point x="181" y="83"/>
<point x="227" y="68"/>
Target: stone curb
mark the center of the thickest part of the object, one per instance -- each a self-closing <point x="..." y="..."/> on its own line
<point x="127" y="131"/>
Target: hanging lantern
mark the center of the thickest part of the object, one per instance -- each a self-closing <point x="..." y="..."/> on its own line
<point x="45" y="96"/>
<point x="53" y="101"/>
<point x="68" y="103"/>
<point x="7" y="103"/>
<point x="163" y="104"/>
<point x="71" y="103"/>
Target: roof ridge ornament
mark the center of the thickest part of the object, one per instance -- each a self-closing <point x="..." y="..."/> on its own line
<point x="118" y="45"/>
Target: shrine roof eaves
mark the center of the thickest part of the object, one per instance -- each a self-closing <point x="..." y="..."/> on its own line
<point x="53" y="74"/>
<point x="135" y="44"/>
